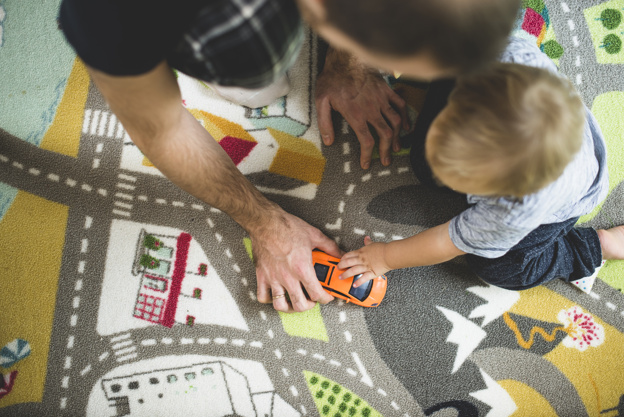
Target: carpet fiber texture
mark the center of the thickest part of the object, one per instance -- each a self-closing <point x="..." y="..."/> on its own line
<point x="122" y="295"/>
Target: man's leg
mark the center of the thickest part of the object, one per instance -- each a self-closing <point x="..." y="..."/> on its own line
<point x="557" y="250"/>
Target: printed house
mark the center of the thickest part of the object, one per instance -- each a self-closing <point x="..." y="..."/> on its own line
<point x="161" y="263"/>
<point x="216" y="388"/>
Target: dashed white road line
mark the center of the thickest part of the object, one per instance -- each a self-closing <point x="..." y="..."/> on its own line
<point x="121" y="213"/>
<point x="124" y="196"/>
<point x="123" y="205"/>
<point x="125" y="186"/>
<point x="348" y="336"/>
<point x="366" y="379"/>
<point x="85" y="370"/>
<point x="120" y="345"/>
<point x="127" y="357"/>
<point x="122" y="352"/>
<point x="565" y="7"/>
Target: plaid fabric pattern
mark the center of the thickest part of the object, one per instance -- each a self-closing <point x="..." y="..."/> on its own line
<point x="245" y="43"/>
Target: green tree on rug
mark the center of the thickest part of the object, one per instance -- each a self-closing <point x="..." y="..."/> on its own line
<point x="149" y="262"/>
<point x="553" y="49"/>
<point x="151" y="242"/>
<point x="333" y="400"/>
<point x="610" y="18"/>
<point x="537" y="5"/>
<point x="612" y="44"/>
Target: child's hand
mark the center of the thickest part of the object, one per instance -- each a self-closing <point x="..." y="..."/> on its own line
<point x="368" y="261"/>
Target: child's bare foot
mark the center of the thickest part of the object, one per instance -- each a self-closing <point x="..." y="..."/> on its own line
<point x="612" y="242"/>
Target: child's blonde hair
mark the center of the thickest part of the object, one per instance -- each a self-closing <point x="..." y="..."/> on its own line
<point x="511" y="129"/>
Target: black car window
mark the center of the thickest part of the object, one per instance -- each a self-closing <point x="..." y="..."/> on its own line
<point x="321" y="271"/>
<point x="361" y="292"/>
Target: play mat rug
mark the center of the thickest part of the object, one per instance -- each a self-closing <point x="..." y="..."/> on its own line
<point x="122" y="295"/>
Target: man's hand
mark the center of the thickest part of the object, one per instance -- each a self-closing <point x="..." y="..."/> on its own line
<point x="282" y="252"/>
<point x="369" y="261"/>
<point x="363" y="98"/>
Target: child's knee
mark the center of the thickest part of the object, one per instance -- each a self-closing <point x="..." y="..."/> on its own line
<point x="501" y="273"/>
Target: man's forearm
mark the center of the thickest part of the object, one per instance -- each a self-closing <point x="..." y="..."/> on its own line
<point x="194" y="161"/>
<point x="149" y="107"/>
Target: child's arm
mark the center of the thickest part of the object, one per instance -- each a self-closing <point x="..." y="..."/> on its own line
<point x="430" y="247"/>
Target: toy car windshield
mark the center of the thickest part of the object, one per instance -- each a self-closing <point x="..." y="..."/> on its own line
<point x="361" y="292"/>
<point x="321" y="271"/>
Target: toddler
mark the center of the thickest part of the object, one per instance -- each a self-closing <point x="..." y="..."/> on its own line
<point x="530" y="157"/>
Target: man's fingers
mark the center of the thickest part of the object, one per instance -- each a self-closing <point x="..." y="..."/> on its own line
<point x="395" y="121"/>
<point x="279" y="300"/>
<point x="298" y="299"/>
<point x="367" y="143"/>
<point x="313" y="287"/>
<point x="263" y="292"/>
<point x="393" y="118"/>
<point x="327" y="245"/>
<point x="386" y="136"/>
<point x="400" y="106"/>
<point x="326" y="126"/>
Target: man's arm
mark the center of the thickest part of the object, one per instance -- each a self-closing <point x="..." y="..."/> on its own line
<point x="432" y="246"/>
<point x="150" y="108"/>
<point x="362" y="96"/>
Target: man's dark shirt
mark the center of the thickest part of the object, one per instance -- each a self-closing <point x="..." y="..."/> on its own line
<point x="247" y="43"/>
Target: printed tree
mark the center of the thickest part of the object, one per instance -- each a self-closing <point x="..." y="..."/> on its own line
<point x="151" y="242"/>
<point x="612" y="44"/>
<point x="334" y="400"/>
<point x="149" y="262"/>
<point x="611" y="18"/>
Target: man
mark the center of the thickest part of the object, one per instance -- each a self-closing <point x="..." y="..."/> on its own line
<point x="129" y="47"/>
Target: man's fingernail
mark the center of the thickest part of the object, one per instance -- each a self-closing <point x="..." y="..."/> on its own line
<point x="366" y="165"/>
<point x="387" y="161"/>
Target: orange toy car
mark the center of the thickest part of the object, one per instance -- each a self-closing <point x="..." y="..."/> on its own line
<point x="369" y="294"/>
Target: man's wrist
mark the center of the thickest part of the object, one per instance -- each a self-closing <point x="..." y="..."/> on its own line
<point x="262" y="218"/>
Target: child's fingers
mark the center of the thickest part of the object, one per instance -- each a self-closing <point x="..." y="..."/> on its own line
<point x="367" y="240"/>
<point x="367" y="276"/>
<point x="357" y="269"/>
<point x="348" y="260"/>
